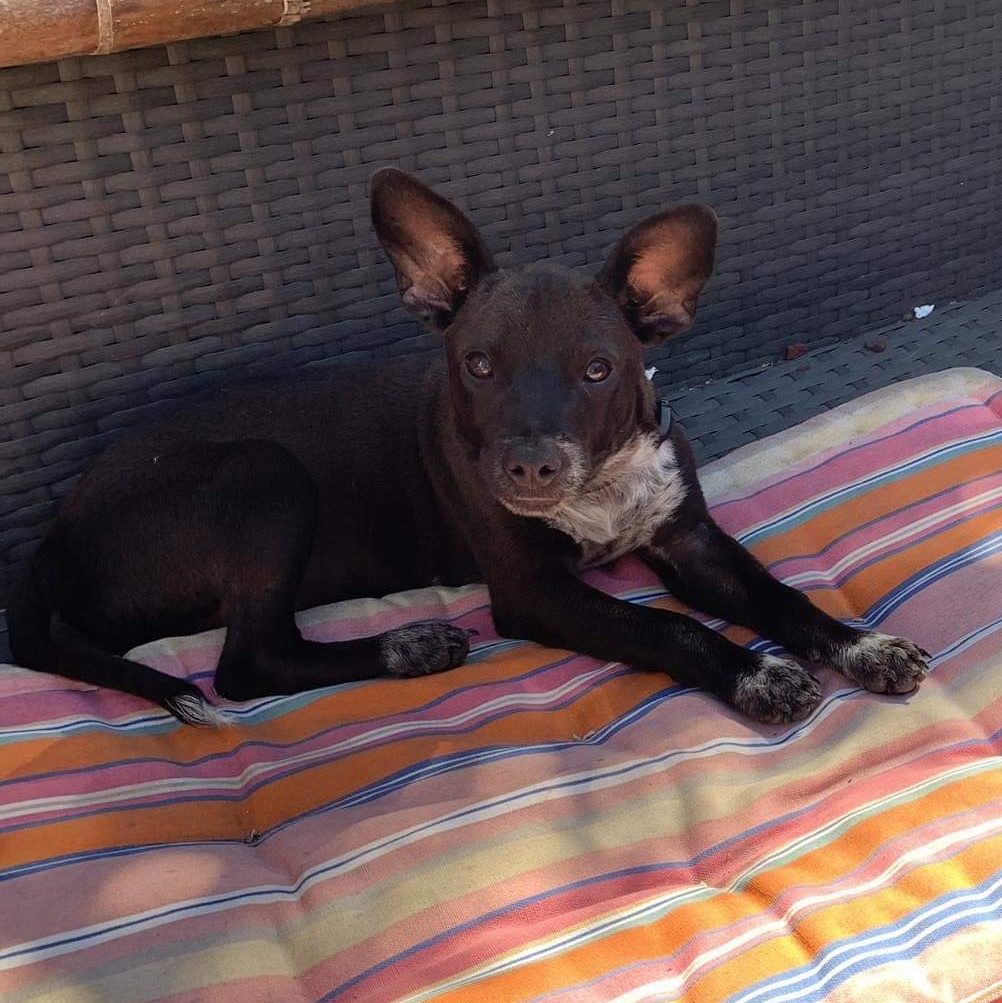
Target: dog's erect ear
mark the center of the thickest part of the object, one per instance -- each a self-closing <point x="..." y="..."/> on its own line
<point x="436" y="251"/>
<point x="656" y="272"/>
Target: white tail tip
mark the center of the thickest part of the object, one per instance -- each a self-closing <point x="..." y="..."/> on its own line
<point x="194" y="710"/>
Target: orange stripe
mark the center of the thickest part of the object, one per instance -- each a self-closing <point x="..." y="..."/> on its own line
<point x="818" y="532"/>
<point x="866" y="587"/>
<point x="184" y="744"/>
<point x="915" y="889"/>
<point x="654" y="941"/>
<point x="291" y="796"/>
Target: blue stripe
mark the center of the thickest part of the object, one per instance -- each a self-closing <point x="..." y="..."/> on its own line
<point x="163" y="721"/>
<point x="866" y="444"/>
<point x="157" y="722"/>
<point x="922" y="579"/>
<point x="406" y="777"/>
<point x="841" y="960"/>
<point x="290" y="892"/>
<point x="92" y="768"/>
<point x="832" y="499"/>
<point x="825" y="550"/>
<point x="835" y="584"/>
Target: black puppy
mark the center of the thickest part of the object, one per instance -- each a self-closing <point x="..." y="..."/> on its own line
<point x="531" y="450"/>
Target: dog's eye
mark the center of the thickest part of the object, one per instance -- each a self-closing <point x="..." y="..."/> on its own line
<point x="597" y="370"/>
<point x="479" y="365"/>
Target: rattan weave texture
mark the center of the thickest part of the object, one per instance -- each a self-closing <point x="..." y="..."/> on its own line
<point x="174" y="216"/>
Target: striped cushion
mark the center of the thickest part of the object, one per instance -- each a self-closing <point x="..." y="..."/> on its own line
<point x="538" y="826"/>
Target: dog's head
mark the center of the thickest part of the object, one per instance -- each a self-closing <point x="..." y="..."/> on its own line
<point x="546" y="372"/>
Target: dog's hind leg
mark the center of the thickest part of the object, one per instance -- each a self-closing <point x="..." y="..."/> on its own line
<point x="265" y="654"/>
<point x="36" y="645"/>
<point x="176" y="537"/>
<point x="267" y="547"/>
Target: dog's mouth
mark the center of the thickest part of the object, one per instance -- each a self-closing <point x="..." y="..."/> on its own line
<point x="530" y="505"/>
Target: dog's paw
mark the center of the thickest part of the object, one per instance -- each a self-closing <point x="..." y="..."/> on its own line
<point x="884" y="664"/>
<point x="420" y="649"/>
<point x="776" y="691"/>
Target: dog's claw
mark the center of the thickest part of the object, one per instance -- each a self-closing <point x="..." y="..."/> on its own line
<point x="777" y="691"/>
<point x="882" y="663"/>
<point x="420" y="649"/>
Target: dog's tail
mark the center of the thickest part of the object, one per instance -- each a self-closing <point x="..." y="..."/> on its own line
<point x="37" y="596"/>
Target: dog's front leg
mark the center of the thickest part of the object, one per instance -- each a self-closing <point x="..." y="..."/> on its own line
<point x="557" y="609"/>
<point x="712" y="572"/>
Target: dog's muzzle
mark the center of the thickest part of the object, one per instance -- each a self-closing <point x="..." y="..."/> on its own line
<point x="533" y="476"/>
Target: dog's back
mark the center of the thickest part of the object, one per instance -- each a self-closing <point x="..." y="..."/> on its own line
<point x="141" y="546"/>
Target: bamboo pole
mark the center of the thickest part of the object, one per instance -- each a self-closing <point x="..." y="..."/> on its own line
<point x="34" y="31"/>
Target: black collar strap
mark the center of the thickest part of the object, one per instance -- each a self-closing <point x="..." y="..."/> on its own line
<point x="662" y="411"/>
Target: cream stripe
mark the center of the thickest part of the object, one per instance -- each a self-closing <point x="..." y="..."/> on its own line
<point x="661" y="905"/>
<point x="586" y="781"/>
<point x="255" y="771"/>
<point x="844" y="491"/>
<point x="913" y="529"/>
<point x="758" y="461"/>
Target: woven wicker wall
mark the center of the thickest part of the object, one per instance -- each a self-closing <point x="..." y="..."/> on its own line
<point x="178" y="215"/>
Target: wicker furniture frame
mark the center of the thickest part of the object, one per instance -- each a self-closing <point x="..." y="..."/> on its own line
<point x="173" y="216"/>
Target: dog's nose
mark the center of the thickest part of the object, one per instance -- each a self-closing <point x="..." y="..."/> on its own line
<point x="533" y="466"/>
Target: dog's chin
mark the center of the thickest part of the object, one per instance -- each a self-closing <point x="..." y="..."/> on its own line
<point x="532" y="507"/>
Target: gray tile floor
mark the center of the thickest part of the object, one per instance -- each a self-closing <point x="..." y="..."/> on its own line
<point x="720" y="416"/>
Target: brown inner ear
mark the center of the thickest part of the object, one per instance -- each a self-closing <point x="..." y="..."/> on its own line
<point x="657" y="267"/>
<point x="671" y="261"/>
<point x="436" y="252"/>
<point x="672" y="264"/>
<point x="657" y="270"/>
<point x="659" y="286"/>
<point x="435" y="264"/>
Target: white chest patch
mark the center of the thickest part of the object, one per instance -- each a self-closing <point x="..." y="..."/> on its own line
<point x="618" y="510"/>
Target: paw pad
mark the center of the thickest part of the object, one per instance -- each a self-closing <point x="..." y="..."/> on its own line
<point x="777" y="691"/>
<point x="420" y="649"/>
<point x="884" y="664"/>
